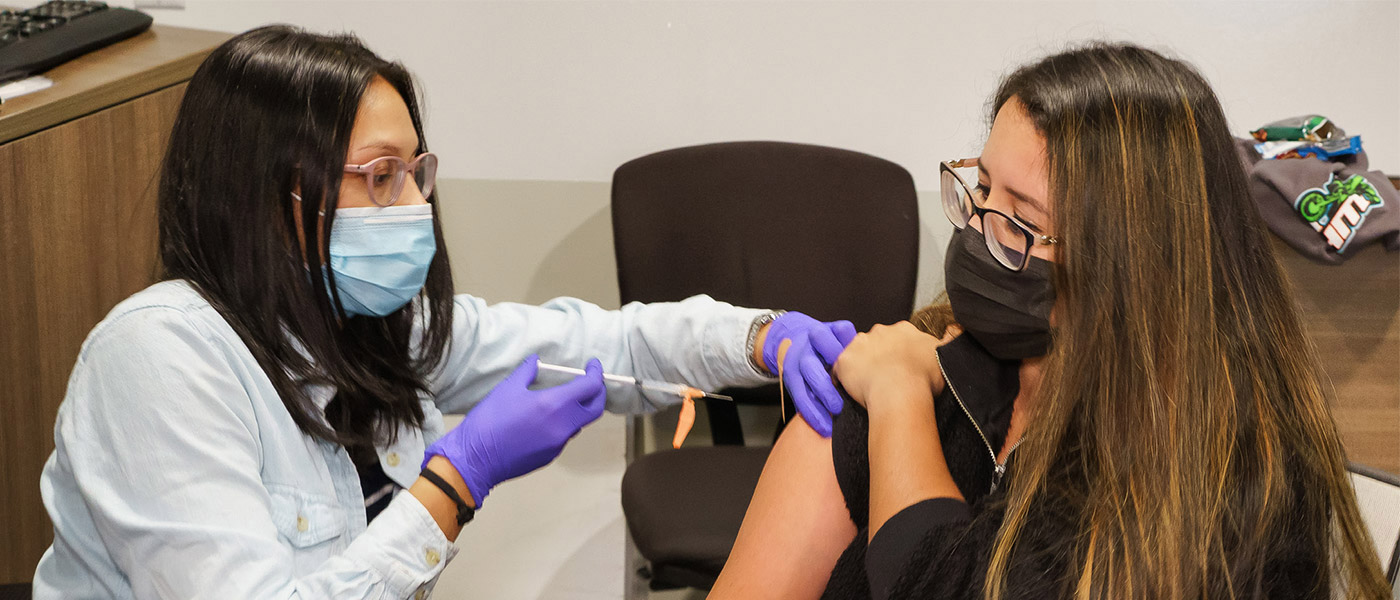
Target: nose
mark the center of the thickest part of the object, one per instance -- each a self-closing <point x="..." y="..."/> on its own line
<point x="411" y="195"/>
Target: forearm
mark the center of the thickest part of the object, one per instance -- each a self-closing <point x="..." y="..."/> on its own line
<point x="906" y="455"/>
<point x="441" y="507"/>
<point x="697" y="341"/>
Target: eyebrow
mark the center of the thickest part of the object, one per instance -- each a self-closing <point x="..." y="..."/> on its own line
<point x="1037" y="204"/>
<point x="384" y="145"/>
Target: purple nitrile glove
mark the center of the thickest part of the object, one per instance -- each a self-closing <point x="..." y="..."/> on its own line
<point x="515" y="430"/>
<point x="808" y="362"/>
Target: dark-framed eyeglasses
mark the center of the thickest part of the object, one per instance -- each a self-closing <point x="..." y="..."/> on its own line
<point x="1008" y="239"/>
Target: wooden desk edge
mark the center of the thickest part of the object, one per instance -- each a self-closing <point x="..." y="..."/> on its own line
<point x="54" y="106"/>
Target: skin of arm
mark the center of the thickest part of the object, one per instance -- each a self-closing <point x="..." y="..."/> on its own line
<point x="893" y="372"/>
<point x="796" y="527"/>
<point x="906" y="456"/>
<point x="442" y="508"/>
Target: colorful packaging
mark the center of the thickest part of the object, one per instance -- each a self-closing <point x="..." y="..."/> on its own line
<point x="1309" y="128"/>
<point x="1324" y="150"/>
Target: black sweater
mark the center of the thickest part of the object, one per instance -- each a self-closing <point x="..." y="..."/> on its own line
<point x="940" y="548"/>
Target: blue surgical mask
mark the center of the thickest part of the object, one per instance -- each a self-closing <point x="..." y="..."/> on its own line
<point x="380" y="256"/>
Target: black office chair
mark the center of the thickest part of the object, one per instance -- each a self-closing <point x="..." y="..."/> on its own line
<point x="1378" y="496"/>
<point x="832" y="233"/>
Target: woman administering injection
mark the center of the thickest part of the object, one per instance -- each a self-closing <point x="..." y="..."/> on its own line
<point x="241" y="428"/>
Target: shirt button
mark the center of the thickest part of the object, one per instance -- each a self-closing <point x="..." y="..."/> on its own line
<point x="302" y="524"/>
<point x="392" y="459"/>
<point x="433" y="557"/>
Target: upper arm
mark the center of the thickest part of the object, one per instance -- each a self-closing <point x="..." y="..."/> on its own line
<point x="796" y="527"/>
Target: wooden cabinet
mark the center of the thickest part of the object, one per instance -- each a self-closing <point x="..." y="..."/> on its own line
<point x="78" y="173"/>
<point x="1352" y="312"/>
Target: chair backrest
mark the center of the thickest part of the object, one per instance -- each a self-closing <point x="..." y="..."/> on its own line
<point x="1378" y="496"/>
<point x="830" y="232"/>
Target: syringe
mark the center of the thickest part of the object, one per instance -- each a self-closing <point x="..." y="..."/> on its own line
<point x="663" y="387"/>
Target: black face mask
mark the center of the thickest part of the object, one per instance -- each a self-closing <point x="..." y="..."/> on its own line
<point x="1006" y="311"/>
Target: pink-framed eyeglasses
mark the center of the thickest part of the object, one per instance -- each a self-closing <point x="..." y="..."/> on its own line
<point x="385" y="176"/>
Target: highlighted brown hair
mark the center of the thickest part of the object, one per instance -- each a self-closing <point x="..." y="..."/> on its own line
<point x="1181" y="386"/>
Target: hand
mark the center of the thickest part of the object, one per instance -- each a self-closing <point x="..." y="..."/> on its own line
<point x="515" y="430"/>
<point x="891" y="355"/>
<point x="812" y="352"/>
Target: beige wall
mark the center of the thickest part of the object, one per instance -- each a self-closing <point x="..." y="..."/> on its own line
<point x="531" y="105"/>
<point x="529" y="241"/>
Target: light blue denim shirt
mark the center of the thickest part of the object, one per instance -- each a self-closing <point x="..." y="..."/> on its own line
<point x="178" y="473"/>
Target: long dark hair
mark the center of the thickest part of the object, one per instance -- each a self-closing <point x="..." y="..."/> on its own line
<point x="267" y="111"/>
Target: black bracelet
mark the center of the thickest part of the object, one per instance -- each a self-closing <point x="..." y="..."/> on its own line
<point x="465" y="513"/>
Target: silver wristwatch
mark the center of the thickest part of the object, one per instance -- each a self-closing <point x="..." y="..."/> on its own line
<point x="754" y="328"/>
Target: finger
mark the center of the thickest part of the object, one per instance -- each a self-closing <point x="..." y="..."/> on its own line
<point x="585" y="411"/>
<point x="585" y="385"/>
<point x="788" y="353"/>
<point x="813" y="413"/>
<point x="593" y="405"/>
<point x="825" y="343"/>
<point x="845" y="331"/>
<point x="593" y="408"/>
<point x="524" y="375"/>
<point x="851" y="353"/>
<point x="819" y="382"/>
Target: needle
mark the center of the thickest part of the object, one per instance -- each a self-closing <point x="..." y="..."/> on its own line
<point x="677" y="389"/>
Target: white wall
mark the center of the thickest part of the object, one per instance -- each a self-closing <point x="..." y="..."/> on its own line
<point x="532" y="105"/>
<point x="566" y="91"/>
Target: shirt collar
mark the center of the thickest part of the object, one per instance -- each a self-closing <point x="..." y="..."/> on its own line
<point x="986" y="384"/>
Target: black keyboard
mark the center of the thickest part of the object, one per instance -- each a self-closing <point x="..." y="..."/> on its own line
<point x="35" y="40"/>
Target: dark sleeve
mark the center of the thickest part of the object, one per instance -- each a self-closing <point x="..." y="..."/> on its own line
<point x="953" y="549"/>
<point x="895" y="543"/>
<point x="932" y="549"/>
